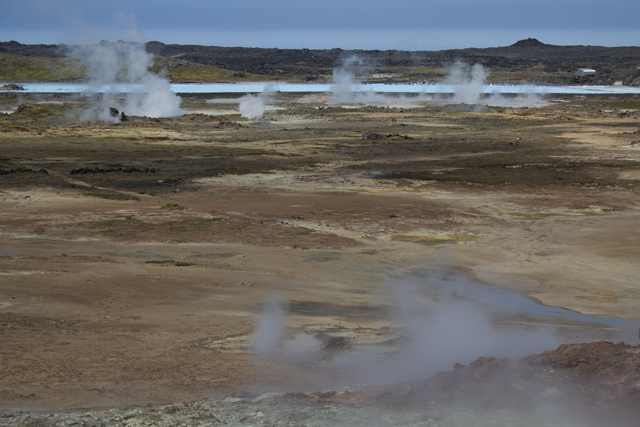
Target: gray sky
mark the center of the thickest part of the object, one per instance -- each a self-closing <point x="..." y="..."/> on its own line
<point x="326" y="24"/>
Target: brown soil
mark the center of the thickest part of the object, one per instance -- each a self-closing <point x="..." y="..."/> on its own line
<point x="135" y="287"/>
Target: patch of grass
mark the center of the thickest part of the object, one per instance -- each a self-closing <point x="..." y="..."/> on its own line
<point x="14" y="68"/>
<point x="28" y="112"/>
<point x="411" y="73"/>
<point x="159" y="261"/>
<point x="114" y="196"/>
<point x="431" y="239"/>
<point x="177" y="70"/>
<point x="183" y="264"/>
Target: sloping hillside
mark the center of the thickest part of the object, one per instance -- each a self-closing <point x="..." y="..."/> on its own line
<point x="16" y="68"/>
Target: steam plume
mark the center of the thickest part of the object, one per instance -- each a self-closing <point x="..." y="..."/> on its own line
<point x="109" y="64"/>
<point x="433" y="339"/>
<point x="467" y="83"/>
<point x="253" y="106"/>
<point x="346" y="88"/>
<point x="271" y="326"/>
<point x="467" y="90"/>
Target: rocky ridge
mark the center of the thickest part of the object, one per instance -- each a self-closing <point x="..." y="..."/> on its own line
<point x="528" y="57"/>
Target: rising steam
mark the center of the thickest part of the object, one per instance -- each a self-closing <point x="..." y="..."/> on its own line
<point x="109" y="64"/>
<point x="272" y="325"/>
<point x="432" y="340"/>
<point x="347" y="89"/>
<point x="467" y="83"/>
<point x="253" y="106"/>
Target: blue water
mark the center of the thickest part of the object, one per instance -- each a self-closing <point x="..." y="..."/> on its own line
<point x="491" y="295"/>
<point x="321" y="88"/>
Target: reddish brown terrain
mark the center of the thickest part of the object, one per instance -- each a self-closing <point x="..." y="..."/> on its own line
<point x="136" y="259"/>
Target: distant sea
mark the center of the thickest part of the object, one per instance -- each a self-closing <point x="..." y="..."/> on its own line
<point x="321" y="88"/>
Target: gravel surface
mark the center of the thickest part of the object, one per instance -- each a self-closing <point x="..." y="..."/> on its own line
<point x="340" y="408"/>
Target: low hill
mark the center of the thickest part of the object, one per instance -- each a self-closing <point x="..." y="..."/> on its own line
<point x="16" y="68"/>
<point x="528" y="60"/>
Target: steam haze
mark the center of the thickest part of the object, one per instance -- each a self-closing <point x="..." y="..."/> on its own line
<point x="253" y="106"/>
<point x="108" y="64"/>
<point x="468" y="83"/>
<point x="434" y="337"/>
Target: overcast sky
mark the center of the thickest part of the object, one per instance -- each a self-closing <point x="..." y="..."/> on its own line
<point x="324" y="24"/>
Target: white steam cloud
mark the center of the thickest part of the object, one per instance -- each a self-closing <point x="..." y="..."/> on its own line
<point x="430" y="340"/>
<point x="253" y="106"/>
<point x="466" y="83"/>
<point x="343" y="89"/>
<point x="110" y="64"/>
<point x="346" y="88"/>
<point x="272" y="325"/>
<point x="454" y="332"/>
<point x="469" y="82"/>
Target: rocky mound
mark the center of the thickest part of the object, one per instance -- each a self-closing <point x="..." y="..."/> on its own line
<point x="12" y="86"/>
<point x="530" y="42"/>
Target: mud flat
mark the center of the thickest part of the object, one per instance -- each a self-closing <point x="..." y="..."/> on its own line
<point x="136" y="257"/>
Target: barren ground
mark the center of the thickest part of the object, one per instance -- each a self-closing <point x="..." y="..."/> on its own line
<point x="124" y="288"/>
